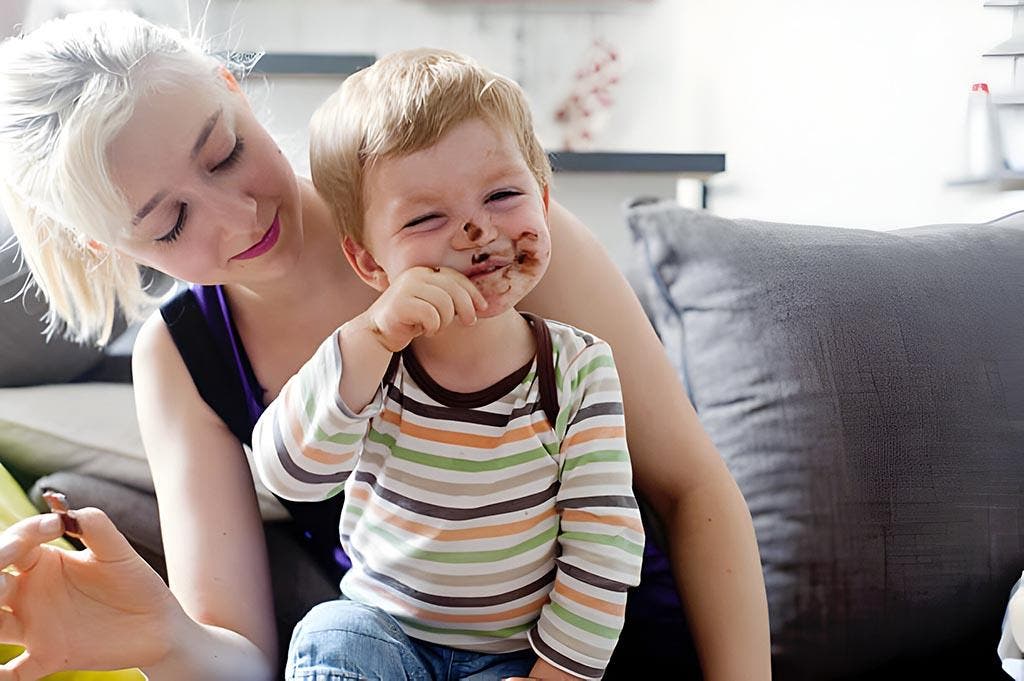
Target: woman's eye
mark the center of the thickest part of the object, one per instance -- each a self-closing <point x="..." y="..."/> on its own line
<point x="232" y="158"/>
<point x="503" y="194"/>
<point x="175" y="232"/>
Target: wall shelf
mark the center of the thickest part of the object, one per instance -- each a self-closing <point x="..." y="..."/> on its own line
<point x="311" y="63"/>
<point x="1014" y="47"/>
<point x="1004" y="181"/>
<point x="692" y="165"/>
<point x="1010" y="99"/>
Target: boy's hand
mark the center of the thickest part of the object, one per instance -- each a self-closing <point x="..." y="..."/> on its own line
<point x="421" y="302"/>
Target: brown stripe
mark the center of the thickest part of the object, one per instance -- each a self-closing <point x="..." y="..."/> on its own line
<point x="561" y="660"/>
<point x="541" y="585"/>
<point x="545" y="367"/>
<point x="451" y="513"/>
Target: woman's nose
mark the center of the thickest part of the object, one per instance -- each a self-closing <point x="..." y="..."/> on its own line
<point x="237" y="214"/>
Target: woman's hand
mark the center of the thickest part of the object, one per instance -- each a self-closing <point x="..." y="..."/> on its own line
<point x="101" y="608"/>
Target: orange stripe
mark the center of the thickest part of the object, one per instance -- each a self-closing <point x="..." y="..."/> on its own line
<point x="576" y="515"/>
<point x="488" y="532"/>
<point x="598" y="433"/>
<point x="615" y="609"/>
<point x="449" y="437"/>
<point x="307" y="449"/>
<point x="434" y="616"/>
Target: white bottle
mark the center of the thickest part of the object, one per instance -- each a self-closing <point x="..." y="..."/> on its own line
<point x="984" y="152"/>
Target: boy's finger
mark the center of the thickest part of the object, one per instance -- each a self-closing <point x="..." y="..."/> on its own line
<point x="466" y="284"/>
<point x="427" y="316"/>
<point x="479" y="301"/>
<point x="464" y="307"/>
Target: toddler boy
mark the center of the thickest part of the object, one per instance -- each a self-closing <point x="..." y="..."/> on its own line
<point x="489" y="513"/>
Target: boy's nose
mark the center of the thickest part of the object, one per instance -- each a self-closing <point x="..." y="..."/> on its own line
<point x="474" y="234"/>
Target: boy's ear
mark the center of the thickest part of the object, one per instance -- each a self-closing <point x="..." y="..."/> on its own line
<point x="365" y="265"/>
<point x="546" y="196"/>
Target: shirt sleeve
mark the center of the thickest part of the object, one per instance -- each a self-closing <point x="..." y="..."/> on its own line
<point x="307" y="441"/>
<point x="1008" y="649"/>
<point x="601" y="536"/>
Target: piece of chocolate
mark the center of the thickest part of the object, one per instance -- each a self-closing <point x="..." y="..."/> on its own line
<point x="58" y="504"/>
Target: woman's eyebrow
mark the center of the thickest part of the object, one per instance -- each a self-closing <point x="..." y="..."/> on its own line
<point x="204" y="134"/>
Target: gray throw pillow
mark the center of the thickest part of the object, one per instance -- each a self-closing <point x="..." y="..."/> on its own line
<point x="26" y="357"/>
<point x="866" y="389"/>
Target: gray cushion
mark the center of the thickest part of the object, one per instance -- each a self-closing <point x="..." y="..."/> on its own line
<point x="26" y="358"/>
<point x="866" y="390"/>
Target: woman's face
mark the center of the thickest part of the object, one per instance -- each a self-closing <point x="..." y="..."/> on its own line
<point x="213" y="198"/>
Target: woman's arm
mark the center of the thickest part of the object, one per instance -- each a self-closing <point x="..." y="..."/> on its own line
<point x="675" y="465"/>
<point x="210" y="524"/>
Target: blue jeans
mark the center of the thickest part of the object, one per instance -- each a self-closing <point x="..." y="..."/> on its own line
<point x="342" y="640"/>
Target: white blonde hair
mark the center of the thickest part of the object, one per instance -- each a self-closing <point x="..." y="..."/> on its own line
<point x="66" y="90"/>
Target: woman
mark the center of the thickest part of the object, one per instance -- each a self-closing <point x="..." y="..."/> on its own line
<point x="122" y="144"/>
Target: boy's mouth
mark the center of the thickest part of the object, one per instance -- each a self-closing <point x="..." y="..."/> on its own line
<point x="488" y="266"/>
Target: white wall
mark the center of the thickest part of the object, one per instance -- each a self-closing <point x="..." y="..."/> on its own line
<point x="845" y="112"/>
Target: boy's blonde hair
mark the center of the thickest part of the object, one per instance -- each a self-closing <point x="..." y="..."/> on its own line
<point x="66" y="90"/>
<point x="402" y="104"/>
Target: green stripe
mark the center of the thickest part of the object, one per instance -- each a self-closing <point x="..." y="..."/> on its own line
<point x="584" y="624"/>
<point x="321" y="436"/>
<point x="463" y="557"/>
<point x="506" y="632"/>
<point x="529" y="378"/>
<point x="620" y="543"/>
<point x="449" y="463"/>
<point x="337" y="490"/>
<point x="556" y="350"/>
<point x="589" y="368"/>
<point x="600" y="456"/>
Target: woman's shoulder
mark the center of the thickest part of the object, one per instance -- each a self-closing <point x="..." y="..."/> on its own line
<point x="153" y="345"/>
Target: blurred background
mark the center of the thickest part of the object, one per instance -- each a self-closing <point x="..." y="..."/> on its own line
<point x="847" y="112"/>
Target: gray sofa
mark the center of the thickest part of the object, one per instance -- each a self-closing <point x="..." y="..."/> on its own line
<point x="866" y="389"/>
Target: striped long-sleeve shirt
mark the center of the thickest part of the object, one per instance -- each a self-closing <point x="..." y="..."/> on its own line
<point x="470" y="518"/>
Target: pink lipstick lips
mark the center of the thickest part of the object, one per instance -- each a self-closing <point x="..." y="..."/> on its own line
<point x="264" y="244"/>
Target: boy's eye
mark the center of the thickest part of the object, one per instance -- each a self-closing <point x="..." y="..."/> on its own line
<point x="175" y="232"/>
<point x="232" y="158"/>
<point x="503" y="194"/>
<point x="420" y="220"/>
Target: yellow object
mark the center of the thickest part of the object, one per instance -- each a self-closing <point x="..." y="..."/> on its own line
<point x="15" y="506"/>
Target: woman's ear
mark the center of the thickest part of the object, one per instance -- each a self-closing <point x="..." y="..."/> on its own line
<point x="365" y="265"/>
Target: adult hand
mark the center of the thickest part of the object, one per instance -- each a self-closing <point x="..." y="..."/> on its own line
<point x="421" y="302"/>
<point x="102" y="608"/>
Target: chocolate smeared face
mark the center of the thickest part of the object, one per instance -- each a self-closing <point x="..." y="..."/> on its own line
<point x="471" y="203"/>
<point x="505" y="273"/>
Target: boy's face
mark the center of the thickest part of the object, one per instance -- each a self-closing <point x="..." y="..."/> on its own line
<point x="470" y="203"/>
